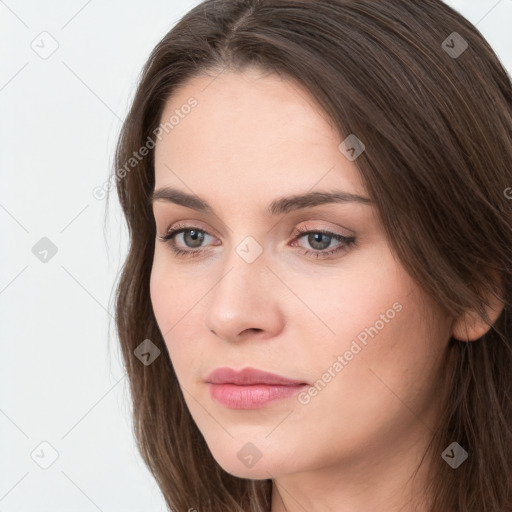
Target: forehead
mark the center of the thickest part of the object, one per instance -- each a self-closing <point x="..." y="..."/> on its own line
<point x="250" y="130"/>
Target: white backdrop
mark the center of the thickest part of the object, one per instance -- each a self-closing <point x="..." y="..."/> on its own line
<point x="67" y="75"/>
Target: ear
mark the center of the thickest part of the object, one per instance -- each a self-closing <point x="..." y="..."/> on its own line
<point x="470" y="326"/>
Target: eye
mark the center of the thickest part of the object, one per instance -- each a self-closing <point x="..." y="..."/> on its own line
<point x="192" y="237"/>
<point x="320" y="240"/>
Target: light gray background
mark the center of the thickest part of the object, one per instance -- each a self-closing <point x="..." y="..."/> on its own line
<point x="61" y="381"/>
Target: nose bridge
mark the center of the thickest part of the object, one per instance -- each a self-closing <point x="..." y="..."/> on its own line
<point x="245" y="270"/>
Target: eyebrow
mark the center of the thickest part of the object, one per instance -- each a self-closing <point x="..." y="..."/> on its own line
<point x="276" y="207"/>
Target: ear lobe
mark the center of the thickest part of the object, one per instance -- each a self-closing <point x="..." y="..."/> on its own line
<point x="470" y="326"/>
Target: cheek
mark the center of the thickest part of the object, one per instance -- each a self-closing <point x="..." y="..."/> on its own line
<point x="160" y="292"/>
<point x="390" y="336"/>
<point x="395" y="375"/>
<point x="175" y="301"/>
<point x="381" y="388"/>
<point x="352" y="302"/>
<point x="171" y="297"/>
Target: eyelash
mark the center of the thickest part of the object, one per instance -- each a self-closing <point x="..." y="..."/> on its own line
<point x="346" y="242"/>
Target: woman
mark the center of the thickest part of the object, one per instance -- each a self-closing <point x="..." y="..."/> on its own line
<point x="315" y="308"/>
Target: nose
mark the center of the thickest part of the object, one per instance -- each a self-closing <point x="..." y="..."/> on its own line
<point x="244" y="303"/>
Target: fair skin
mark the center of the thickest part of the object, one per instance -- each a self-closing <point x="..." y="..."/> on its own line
<point x="251" y="139"/>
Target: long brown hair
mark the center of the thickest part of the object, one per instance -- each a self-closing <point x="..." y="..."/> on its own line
<point x="423" y="90"/>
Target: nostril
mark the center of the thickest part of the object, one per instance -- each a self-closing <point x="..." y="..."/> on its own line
<point x="250" y="330"/>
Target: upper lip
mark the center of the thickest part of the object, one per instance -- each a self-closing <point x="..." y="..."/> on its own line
<point x="249" y="376"/>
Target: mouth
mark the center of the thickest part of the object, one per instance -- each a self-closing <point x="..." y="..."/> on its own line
<point x="250" y="388"/>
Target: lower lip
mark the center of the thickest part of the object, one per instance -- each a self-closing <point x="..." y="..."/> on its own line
<point x="251" y="397"/>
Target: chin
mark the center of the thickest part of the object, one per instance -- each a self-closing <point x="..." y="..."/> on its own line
<point x="233" y="466"/>
<point x="246" y="461"/>
<point x="252" y="474"/>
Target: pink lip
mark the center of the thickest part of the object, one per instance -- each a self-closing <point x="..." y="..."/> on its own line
<point x="248" y="377"/>
<point x="249" y="388"/>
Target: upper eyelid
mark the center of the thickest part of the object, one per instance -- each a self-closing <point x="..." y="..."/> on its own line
<point x="184" y="227"/>
<point x="194" y="224"/>
<point x="180" y="228"/>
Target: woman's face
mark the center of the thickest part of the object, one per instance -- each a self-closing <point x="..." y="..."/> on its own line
<point x="340" y="316"/>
